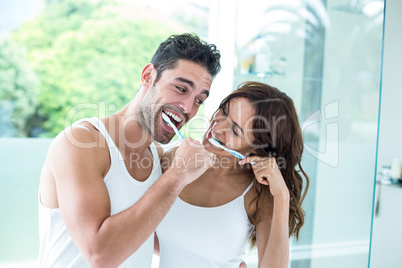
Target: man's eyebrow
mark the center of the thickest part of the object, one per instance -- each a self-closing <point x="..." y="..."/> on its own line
<point x="191" y="84"/>
<point x="184" y="80"/>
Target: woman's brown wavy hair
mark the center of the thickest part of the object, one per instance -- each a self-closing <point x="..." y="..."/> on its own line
<point x="280" y="136"/>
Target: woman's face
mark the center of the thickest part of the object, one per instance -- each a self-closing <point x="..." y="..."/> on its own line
<point x="232" y="127"/>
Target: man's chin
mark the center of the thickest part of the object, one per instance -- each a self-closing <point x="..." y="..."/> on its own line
<point x="163" y="139"/>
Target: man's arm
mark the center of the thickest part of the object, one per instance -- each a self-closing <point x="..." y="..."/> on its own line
<point x="83" y="199"/>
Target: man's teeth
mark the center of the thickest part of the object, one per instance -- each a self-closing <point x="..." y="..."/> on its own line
<point x="175" y="117"/>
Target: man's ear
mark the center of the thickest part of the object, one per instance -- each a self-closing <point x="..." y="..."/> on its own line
<point x="147" y="75"/>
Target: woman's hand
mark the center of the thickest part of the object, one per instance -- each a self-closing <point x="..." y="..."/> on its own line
<point x="267" y="172"/>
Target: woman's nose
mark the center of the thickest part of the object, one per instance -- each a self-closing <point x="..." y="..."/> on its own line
<point x="221" y="126"/>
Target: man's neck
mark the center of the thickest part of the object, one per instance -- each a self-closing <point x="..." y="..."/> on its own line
<point x="127" y="131"/>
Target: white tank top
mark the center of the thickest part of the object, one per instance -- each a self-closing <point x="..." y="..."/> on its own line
<point x="56" y="246"/>
<point x="193" y="236"/>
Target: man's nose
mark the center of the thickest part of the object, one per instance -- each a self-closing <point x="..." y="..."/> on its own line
<point x="186" y="105"/>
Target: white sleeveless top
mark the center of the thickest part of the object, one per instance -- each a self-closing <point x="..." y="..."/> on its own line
<point x="56" y="246"/>
<point x="193" y="236"/>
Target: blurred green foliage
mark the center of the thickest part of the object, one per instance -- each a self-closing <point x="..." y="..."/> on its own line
<point x="17" y="90"/>
<point x="88" y="57"/>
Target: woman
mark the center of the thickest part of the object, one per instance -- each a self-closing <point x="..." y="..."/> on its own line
<point x="258" y="198"/>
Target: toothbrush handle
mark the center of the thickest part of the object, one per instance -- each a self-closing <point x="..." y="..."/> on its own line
<point x="239" y="155"/>
<point x="181" y="137"/>
<point x="236" y="154"/>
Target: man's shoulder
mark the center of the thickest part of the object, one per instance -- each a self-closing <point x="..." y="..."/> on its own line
<point x="77" y="146"/>
<point x="79" y="140"/>
<point x="82" y="135"/>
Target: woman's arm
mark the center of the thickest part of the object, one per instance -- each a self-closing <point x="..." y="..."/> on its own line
<point x="272" y="230"/>
<point x="273" y="236"/>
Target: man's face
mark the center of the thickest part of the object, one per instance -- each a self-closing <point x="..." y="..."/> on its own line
<point x="179" y="93"/>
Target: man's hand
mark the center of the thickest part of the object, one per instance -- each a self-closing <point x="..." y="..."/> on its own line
<point x="192" y="159"/>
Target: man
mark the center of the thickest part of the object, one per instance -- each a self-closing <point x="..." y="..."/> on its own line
<point x="100" y="193"/>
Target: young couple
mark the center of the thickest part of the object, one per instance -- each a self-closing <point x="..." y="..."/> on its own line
<point x="98" y="209"/>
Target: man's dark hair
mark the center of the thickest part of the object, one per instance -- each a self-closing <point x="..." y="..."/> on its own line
<point x="186" y="47"/>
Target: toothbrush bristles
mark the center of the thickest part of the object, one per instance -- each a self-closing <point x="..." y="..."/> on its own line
<point x="218" y="141"/>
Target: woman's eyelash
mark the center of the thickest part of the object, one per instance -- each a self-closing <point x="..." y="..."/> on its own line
<point x="234" y="131"/>
<point x="233" y="128"/>
<point x="223" y="111"/>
